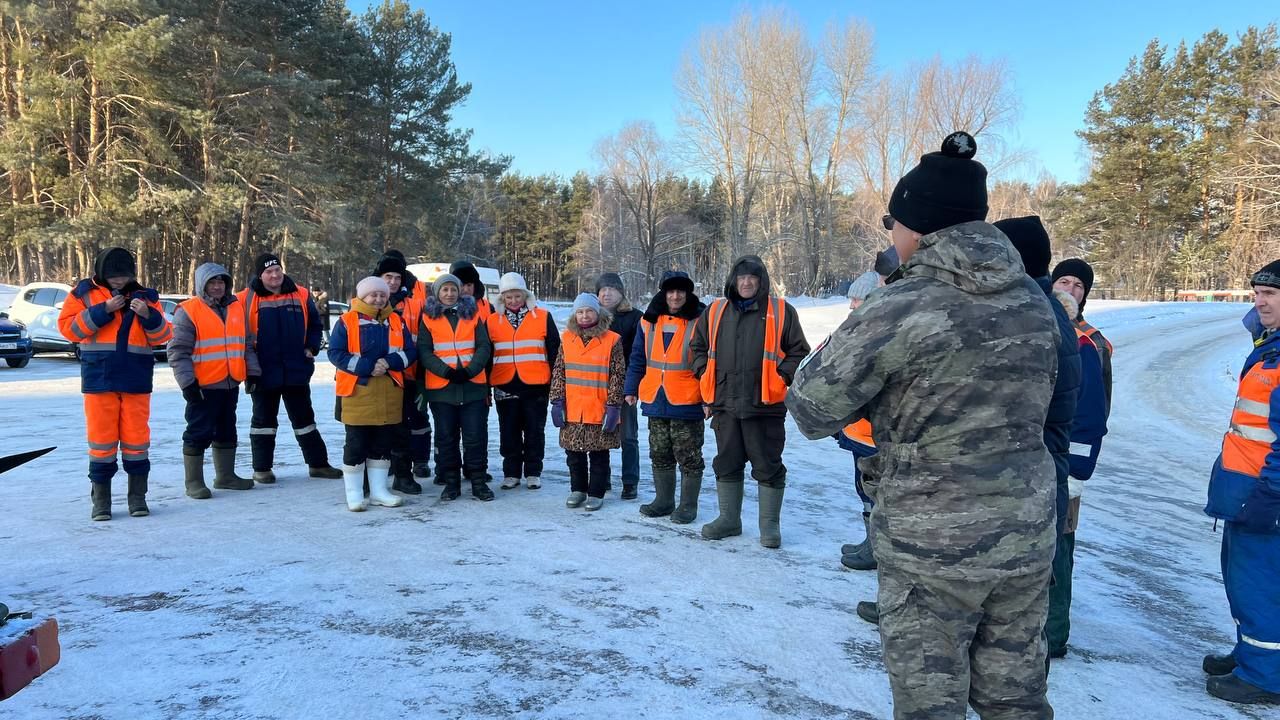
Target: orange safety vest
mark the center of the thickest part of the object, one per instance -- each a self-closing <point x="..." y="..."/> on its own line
<point x="859" y="432"/>
<point x="669" y="368"/>
<point x="1094" y="335"/>
<point x="252" y="301"/>
<point x="519" y="352"/>
<point x="455" y="346"/>
<point x="346" y="381"/>
<point x="1247" y="442"/>
<point x="219" y="349"/>
<point x="772" y="387"/>
<point x="410" y="311"/>
<point x="586" y="376"/>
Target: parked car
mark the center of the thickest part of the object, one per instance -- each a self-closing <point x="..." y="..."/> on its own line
<point x="36" y="298"/>
<point x="15" y="345"/>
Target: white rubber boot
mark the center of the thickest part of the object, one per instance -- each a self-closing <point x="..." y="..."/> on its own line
<point x="353" y="480"/>
<point x="380" y="484"/>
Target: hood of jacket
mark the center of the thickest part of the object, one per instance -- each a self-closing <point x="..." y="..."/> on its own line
<point x="747" y="265"/>
<point x="974" y="257"/>
<point x="208" y="271"/>
<point x="600" y="328"/>
<point x="466" y="306"/>
<point x="691" y="309"/>
<point x="116" y="259"/>
<point x="261" y="290"/>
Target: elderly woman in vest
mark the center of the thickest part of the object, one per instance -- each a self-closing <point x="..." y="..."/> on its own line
<point x="586" y="399"/>
<point x="454" y="349"/>
<point x="525" y="343"/>
<point x="370" y="348"/>
<point x="660" y="377"/>
<point x="210" y="359"/>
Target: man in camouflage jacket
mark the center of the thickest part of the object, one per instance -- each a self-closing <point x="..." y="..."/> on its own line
<point x="953" y="363"/>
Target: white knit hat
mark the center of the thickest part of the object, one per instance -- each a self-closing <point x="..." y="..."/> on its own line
<point x="370" y="284"/>
<point x="513" y="281"/>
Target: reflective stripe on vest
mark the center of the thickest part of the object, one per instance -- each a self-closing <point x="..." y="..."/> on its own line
<point x="252" y="301"/>
<point x="772" y="387"/>
<point x="1248" y="440"/>
<point x="586" y="376"/>
<point x="455" y="346"/>
<point x="410" y="311"/>
<point x="859" y="432"/>
<point x="519" y="352"/>
<point x="219" y="348"/>
<point x="1094" y="335"/>
<point x="669" y="367"/>
<point x="345" y="381"/>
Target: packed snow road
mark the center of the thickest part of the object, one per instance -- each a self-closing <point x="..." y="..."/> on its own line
<point x="279" y="603"/>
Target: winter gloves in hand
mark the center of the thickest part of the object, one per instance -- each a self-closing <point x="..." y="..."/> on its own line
<point x="191" y="393"/>
<point x="458" y="375"/>
<point x="251" y="384"/>
<point x="1261" y="511"/>
<point x="557" y="413"/>
<point x="612" y="416"/>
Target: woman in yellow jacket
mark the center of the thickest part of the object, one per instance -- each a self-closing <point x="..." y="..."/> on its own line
<point x="586" y="400"/>
<point x="370" y="348"/>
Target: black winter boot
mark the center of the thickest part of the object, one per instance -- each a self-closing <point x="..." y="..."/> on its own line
<point x="729" y="522"/>
<point x="421" y="470"/>
<point x="859" y="557"/>
<point x="138" y="496"/>
<point x="629" y="492"/>
<point x="402" y="475"/>
<point x="664" y="489"/>
<point x="193" y="464"/>
<point x="100" y="493"/>
<point x="1219" y="664"/>
<point x="869" y="611"/>
<point x="262" y="447"/>
<point x="1232" y="689"/>
<point x="224" y="469"/>
<point x="452" y="488"/>
<point x="690" y="487"/>
<point x="480" y="490"/>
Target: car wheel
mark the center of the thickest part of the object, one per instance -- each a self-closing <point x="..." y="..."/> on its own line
<point x="18" y="362"/>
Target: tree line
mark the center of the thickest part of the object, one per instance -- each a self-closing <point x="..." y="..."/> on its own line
<point x="190" y="130"/>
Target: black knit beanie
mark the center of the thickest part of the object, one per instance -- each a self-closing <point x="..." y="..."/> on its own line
<point x="947" y="188"/>
<point x="610" y="279"/>
<point x="115" y="262"/>
<point x="264" y="261"/>
<point x="1268" y="276"/>
<point x="1031" y="241"/>
<point x="390" y="264"/>
<point x="1076" y="268"/>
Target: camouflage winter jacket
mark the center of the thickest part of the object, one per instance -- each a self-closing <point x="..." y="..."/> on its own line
<point x="954" y="365"/>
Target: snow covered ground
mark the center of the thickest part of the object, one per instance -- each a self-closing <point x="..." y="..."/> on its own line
<point x="279" y="603"/>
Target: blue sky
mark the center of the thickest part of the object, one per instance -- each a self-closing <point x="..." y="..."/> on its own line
<point x="550" y="78"/>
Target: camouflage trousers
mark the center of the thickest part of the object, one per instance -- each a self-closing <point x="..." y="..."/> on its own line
<point x="673" y="442"/>
<point x="948" y="643"/>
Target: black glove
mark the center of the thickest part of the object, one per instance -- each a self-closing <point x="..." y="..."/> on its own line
<point x="192" y="393"/>
<point x="251" y="384"/>
<point x="459" y="375"/>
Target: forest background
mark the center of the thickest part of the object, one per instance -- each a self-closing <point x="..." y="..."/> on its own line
<point x="190" y="130"/>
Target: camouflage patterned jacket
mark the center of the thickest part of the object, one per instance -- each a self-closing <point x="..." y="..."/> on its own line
<point x="954" y="365"/>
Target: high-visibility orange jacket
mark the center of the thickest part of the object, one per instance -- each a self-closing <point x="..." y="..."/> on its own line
<point x="520" y="352"/>
<point x="115" y="347"/>
<point x="586" y="376"/>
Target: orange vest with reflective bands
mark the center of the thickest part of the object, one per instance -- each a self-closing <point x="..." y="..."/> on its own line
<point x="772" y="387"/>
<point x="220" y="345"/>
<point x="859" y="432"/>
<point x="586" y="376"/>
<point x="1248" y="440"/>
<point x="455" y="346"/>
<point x="410" y="311"/>
<point x="251" y="301"/>
<point x="345" y="381"/>
<point x="520" y="351"/>
<point x="1093" y="334"/>
<point x="669" y="368"/>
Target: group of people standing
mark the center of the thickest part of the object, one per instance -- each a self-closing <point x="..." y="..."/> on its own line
<point x="966" y="381"/>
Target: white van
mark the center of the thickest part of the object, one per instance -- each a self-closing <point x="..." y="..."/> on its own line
<point x="428" y="272"/>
